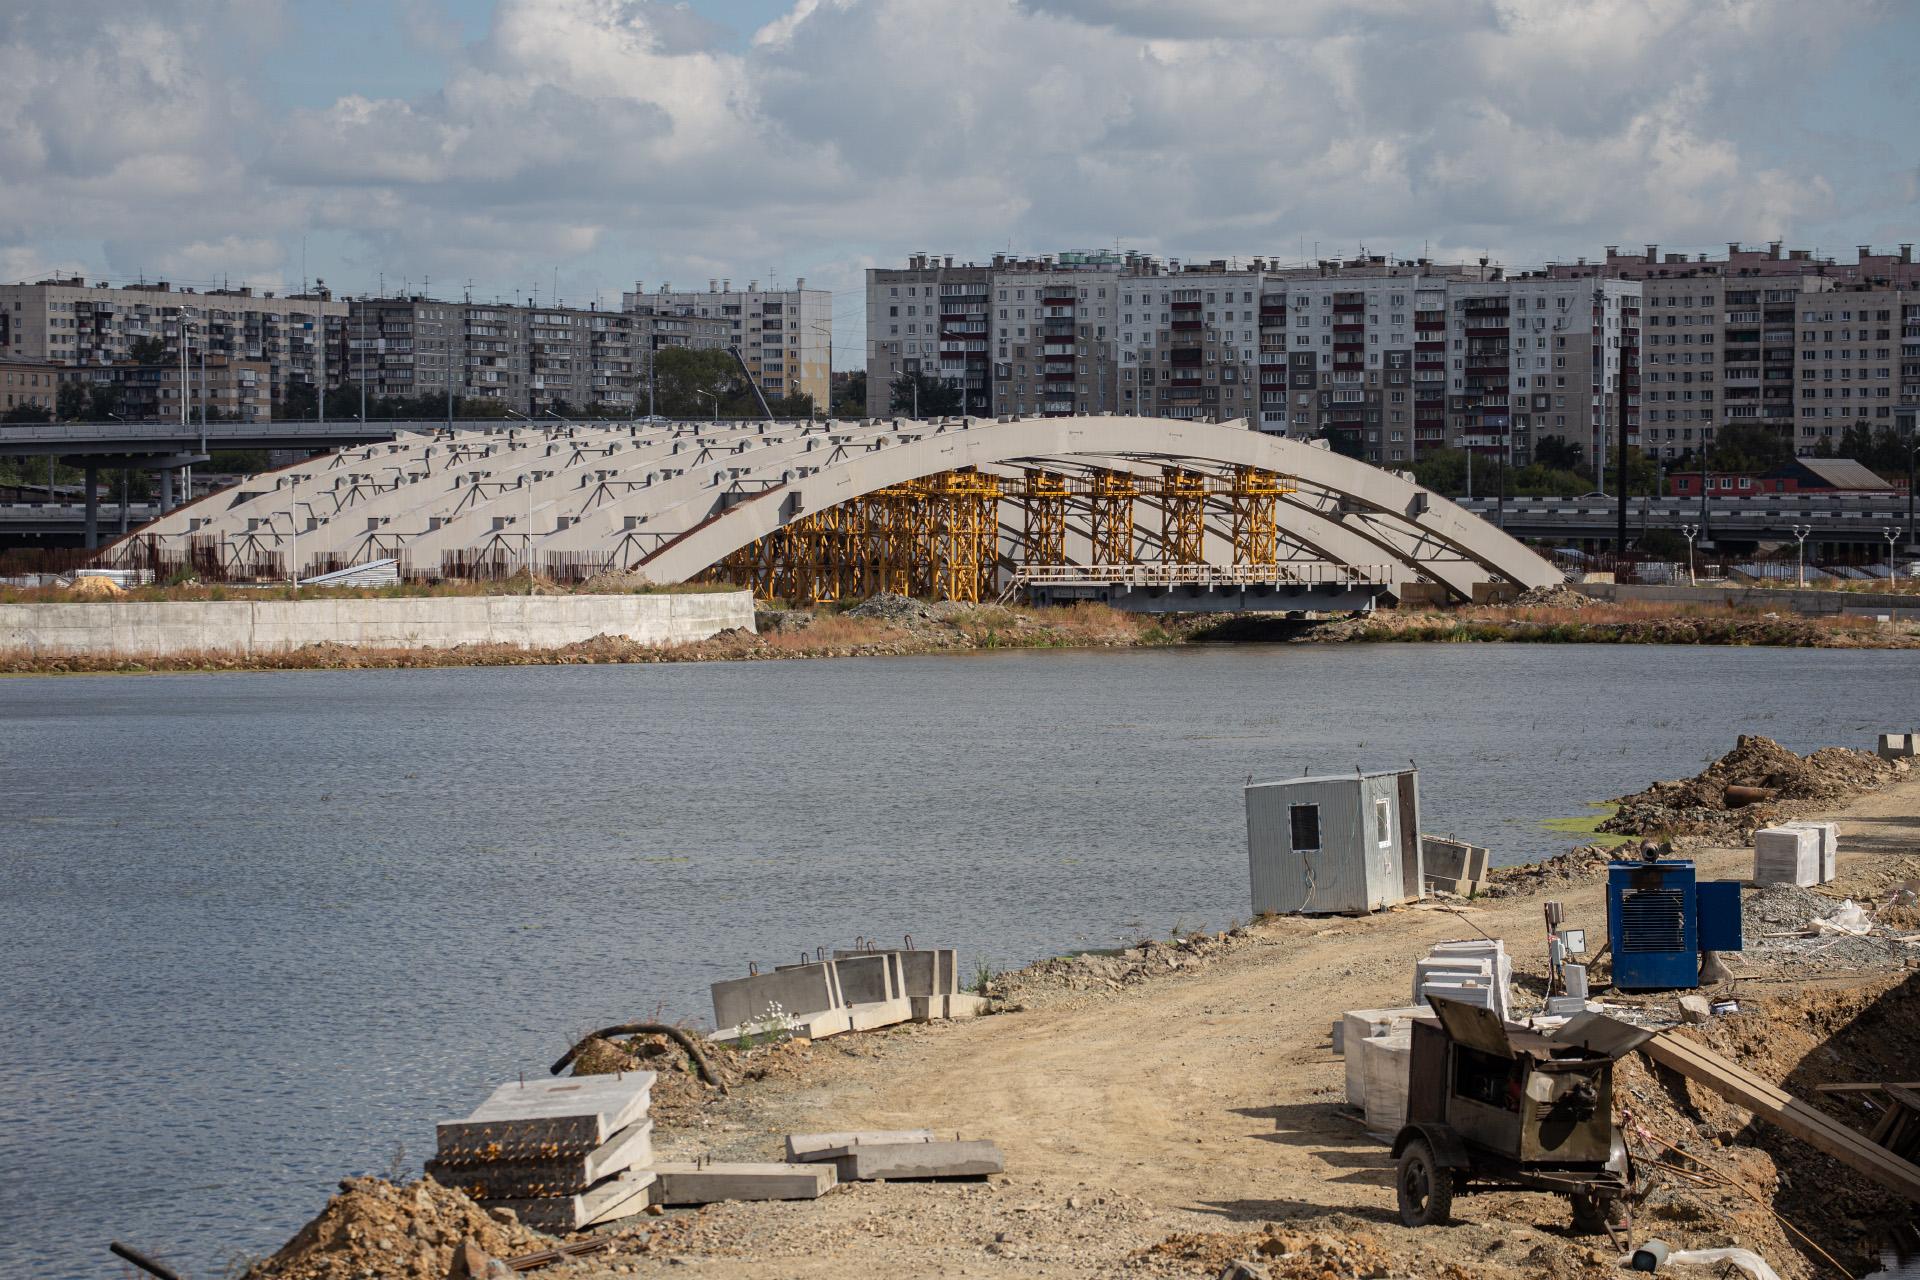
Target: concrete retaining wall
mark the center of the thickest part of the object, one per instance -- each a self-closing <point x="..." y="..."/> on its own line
<point x="1778" y="599"/>
<point x="423" y="622"/>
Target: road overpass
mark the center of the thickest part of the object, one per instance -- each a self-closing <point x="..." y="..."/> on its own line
<point x="825" y="510"/>
<point x="1837" y="523"/>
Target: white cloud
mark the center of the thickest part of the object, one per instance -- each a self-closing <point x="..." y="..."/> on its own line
<point x="624" y="138"/>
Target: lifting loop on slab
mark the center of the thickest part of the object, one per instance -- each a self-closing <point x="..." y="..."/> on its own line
<point x="753" y="968"/>
<point x="672" y="1033"/>
<point x="909" y="938"/>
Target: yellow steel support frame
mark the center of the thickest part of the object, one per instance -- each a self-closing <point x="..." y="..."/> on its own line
<point x="1254" y="502"/>
<point x="1044" y="499"/>
<point x="1110" y="516"/>
<point x="1183" y="516"/>
<point x="938" y="537"/>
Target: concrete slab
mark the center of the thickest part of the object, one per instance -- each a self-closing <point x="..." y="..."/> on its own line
<point x="962" y="1005"/>
<point x="879" y="1013"/>
<point x="814" y="1026"/>
<point x="1387" y="1059"/>
<point x="1786" y="855"/>
<point x="806" y="1148"/>
<point x="917" y="1160"/>
<point x="801" y="990"/>
<point x="682" y="1184"/>
<point x="577" y="1113"/>
<point x="620" y="1197"/>
<point x="536" y="1177"/>
<point x="1358" y="1026"/>
<point x="867" y="979"/>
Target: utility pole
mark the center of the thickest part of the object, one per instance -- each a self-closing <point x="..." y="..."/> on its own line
<point x="1620" y="448"/>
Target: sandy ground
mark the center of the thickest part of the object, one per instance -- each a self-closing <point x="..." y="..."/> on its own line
<point x="1201" y="1102"/>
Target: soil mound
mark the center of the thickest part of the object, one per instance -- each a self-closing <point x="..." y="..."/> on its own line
<point x="374" y="1228"/>
<point x="888" y="607"/>
<point x="1793" y="784"/>
<point x="1575" y="866"/>
<point x="1557" y="596"/>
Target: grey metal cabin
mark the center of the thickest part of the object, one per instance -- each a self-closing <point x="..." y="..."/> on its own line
<point x="1343" y="843"/>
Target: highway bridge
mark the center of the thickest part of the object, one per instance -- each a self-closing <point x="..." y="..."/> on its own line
<point x="821" y="511"/>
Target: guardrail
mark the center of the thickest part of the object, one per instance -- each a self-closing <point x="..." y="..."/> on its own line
<point x="1286" y="573"/>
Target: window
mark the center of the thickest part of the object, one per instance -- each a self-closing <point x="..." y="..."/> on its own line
<point x="1306" y="827"/>
<point x="1382" y="823"/>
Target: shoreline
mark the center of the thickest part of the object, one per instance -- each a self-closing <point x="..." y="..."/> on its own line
<point x="1173" y="1105"/>
<point x="897" y="628"/>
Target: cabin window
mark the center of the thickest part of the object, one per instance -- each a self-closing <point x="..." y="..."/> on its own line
<point x="1306" y="826"/>
<point x="1382" y="823"/>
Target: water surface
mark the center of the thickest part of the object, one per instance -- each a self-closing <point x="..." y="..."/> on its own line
<point x="258" y="931"/>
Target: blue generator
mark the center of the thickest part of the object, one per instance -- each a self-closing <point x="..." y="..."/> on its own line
<point x="1660" y="918"/>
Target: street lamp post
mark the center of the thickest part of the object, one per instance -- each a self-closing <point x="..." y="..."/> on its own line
<point x="1800" y="532"/>
<point x="713" y="397"/>
<point x="1690" y="532"/>
<point x="1892" y="534"/>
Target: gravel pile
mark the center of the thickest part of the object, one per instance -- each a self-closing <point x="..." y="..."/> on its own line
<point x="1574" y="867"/>
<point x="375" y="1228"/>
<point x="887" y="607"/>
<point x="1791" y="910"/>
<point x="1557" y="596"/>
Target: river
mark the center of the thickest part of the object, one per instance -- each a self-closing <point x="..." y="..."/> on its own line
<point x="259" y="931"/>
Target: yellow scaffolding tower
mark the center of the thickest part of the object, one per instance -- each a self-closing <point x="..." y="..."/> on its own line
<point x="1183" y="516"/>
<point x="1110" y="516"/>
<point x="1253" y="503"/>
<point x="1044" y="539"/>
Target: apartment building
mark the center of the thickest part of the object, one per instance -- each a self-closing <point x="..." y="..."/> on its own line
<point x="1746" y="338"/>
<point x="534" y="360"/>
<point x="932" y="318"/>
<point x="785" y="336"/>
<point x="299" y="338"/>
<point x="28" y="385"/>
<point x="228" y="390"/>
<point x="1053" y="328"/>
<point x="1189" y="341"/>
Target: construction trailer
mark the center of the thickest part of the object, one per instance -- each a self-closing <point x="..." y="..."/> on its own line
<point x="1339" y="844"/>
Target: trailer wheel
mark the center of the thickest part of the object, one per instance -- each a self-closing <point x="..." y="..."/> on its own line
<point x="1589" y="1215"/>
<point x="1425" y="1187"/>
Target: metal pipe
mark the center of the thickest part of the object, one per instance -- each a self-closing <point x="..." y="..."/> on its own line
<point x="141" y="1261"/>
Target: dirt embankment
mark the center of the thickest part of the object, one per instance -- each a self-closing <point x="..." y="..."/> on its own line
<point x="1559" y="621"/>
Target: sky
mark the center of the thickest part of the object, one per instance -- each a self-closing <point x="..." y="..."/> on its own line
<point x="567" y="148"/>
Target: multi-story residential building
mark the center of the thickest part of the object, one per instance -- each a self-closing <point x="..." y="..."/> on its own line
<point x="28" y="385"/>
<point x="299" y="338"/>
<point x="1053" y="329"/>
<point x="1189" y="337"/>
<point x="1745" y="339"/>
<point x="228" y="390"/>
<point x="785" y="336"/>
<point x="534" y="360"/>
<point x="931" y="318"/>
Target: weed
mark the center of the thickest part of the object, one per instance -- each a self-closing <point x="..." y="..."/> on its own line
<point x="982" y="978"/>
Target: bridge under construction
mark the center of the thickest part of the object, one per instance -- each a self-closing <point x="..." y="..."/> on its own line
<point x="1128" y="510"/>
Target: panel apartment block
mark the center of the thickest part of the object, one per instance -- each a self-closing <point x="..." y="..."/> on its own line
<point x="299" y="338"/>
<point x="784" y="335"/>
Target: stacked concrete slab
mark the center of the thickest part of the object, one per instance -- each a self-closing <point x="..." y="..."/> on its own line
<point x="1360" y="1025"/>
<point x="1453" y="866"/>
<point x="1386" y="1060"/>
<point x="854" y="991"/>
<point x="562" y="1154"/>
<point x="1786" y="855"/>
<point x="895" y="1155"/>
<point x="1829" y="851"/>
<point x="1475" y="970"/>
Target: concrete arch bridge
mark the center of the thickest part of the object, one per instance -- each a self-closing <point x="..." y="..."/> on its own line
<point x="1128" y="509"/>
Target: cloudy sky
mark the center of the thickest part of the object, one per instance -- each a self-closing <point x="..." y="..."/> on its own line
<point x="579" y="145"/>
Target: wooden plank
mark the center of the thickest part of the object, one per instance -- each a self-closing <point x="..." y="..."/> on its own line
<point x="711" y="1183"/>
<point x="1740" y="1086"/>
<point x="1864" y="1086"/>
<point x="805" y="1148"/>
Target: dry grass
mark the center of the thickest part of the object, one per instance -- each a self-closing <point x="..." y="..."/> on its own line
<point x="205" y="591"/>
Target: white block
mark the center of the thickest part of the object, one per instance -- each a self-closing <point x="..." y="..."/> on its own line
<point x="1387" y="1058"/>
<point x="1786" y="855"/>
<point x="1829" y="833"/>
<point x="1358" y="1025"/>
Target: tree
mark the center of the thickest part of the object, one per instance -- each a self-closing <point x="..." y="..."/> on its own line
<point x="1747" y="448"/>
<point x="148" y="350"/>
<point x="797" y="405"/>
<point x="1559" y="453"/>
<point x="103" y="400"/>
<point x="938" y="398"/>
<point x="695" y="384"/>
<point x="27" y="413"/>
<point x="850" y="400"/>
<point x="71" y="401"/>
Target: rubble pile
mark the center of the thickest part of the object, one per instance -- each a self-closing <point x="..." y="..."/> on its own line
<point x="1574" y="867"/>
<point x="1111" y="971"/>
<point x="376" y="1228"/>
<point x="1700" y="806"/>
<point x="1557" y="596"/>
<point x="1779" y="925"/>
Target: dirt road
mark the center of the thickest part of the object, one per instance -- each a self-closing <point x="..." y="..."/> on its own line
<point x="1199" y="1102"/>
